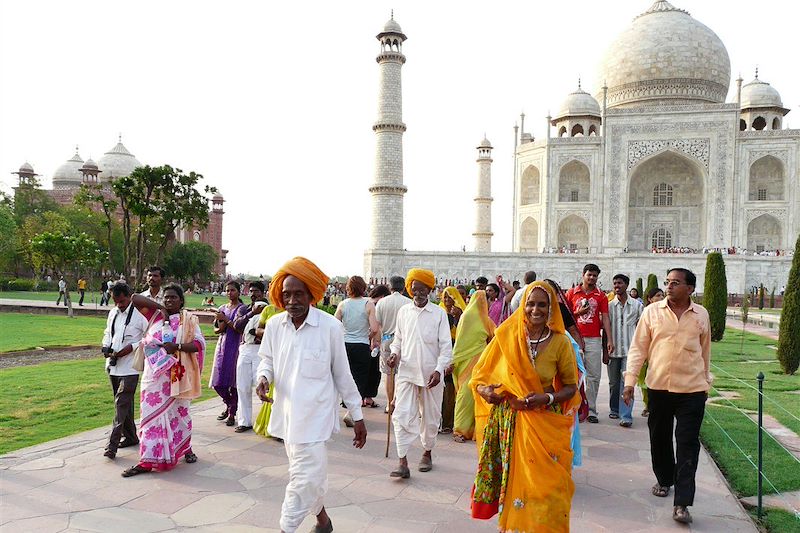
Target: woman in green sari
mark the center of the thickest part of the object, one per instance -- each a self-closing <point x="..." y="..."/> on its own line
<point x="475" y="330"/>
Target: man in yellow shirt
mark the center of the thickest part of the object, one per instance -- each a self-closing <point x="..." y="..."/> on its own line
<point x="674" y="337"/>
<point x="81" y="289"/>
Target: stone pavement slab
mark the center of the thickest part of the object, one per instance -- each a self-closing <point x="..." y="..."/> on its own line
<point x="238" y="483"/>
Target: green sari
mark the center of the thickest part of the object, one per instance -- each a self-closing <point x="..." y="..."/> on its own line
<point x="475" y="329"/>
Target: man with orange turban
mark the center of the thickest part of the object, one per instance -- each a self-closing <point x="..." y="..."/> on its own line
<point x="303" y="355"/>
<point x="422" y="348"/>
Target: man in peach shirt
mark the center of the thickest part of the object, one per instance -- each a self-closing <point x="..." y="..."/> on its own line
<point x="674" y="336"/>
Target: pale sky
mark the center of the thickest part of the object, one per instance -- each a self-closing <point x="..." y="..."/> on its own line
<point x="273" y="102"/>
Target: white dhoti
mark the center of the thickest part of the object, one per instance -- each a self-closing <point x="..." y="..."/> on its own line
<point x="417" y="413"/>
<point x="308" y="483"/>
<point x="246" y="367"/>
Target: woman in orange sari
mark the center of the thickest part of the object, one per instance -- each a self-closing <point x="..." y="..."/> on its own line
<point x="525" y="399"/>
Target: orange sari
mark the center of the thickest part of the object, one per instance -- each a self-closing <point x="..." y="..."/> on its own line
<point x="534" y="492"/>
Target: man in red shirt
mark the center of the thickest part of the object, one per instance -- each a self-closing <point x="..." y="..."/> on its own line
<point x="590" y="307"/>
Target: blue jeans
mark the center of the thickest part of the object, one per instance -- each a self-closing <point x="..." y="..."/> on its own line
<point x="616" y="382"/>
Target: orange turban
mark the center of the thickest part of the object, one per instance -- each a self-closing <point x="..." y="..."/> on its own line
<point x="315" y="280"/>
<point x="425" y="277"/>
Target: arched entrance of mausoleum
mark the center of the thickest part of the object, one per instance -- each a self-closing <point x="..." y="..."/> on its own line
<point x="665" y="203"/>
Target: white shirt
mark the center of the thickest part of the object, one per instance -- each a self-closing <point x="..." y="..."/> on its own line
<point x="158" y="298"/>
<point x="516" y="300"/>
<point x="624" y="319"/>
<point x="62" y="285"/>
<point x="124" y="335"/>
<point x="309" y="368"/>
<point x="422" y="340"/>
<point x="386" y="311"/>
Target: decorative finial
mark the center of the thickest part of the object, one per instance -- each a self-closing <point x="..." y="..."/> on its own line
<point x="392" y="14"/>
<point x="579" y="83"/>
<point x="756" y="71"/>
<point x="119" y="137"/>
<point x="77" y="149"/>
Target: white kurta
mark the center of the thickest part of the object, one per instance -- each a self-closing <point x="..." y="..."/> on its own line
<point x="246" y="368"/>
<point x="422" y="340"/>
<point x="309" y="368"/>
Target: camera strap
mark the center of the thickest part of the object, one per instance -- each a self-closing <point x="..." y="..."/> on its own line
<point x="127" y="321"/>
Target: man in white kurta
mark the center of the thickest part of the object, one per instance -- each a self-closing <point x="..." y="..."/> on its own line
<point x="423" y="349"/>
<point x="303" y="354"/>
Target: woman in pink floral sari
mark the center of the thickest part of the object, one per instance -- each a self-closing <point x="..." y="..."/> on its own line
<point x="173" y="360"/>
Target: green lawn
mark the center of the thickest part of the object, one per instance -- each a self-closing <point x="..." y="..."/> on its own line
<point x="27" y="331"/>
<point x="730" y="364"/>
<point x="53" y="400"/>
<point x="193" y="301"/>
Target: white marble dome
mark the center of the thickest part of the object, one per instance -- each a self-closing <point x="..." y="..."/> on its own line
<point x="392" y="26"/>
<point x="759" y="93"/>
<point x="666" y="56"/>
<point x="69" y="173"/>
<point x="117" y="162"/>
<point x="577" y="104"/>
<point x="485" y="143"/>
<point x="26" y="168"/>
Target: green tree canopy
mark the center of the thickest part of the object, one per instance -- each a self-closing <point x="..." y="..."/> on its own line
<point x="652" y="282"/>
<point x="715" y="294"/>
<point x="191" y="261"/>
<point x="789" y="336"/>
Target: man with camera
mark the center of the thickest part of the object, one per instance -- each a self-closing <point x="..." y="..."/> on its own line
<point x="124" y="329"/>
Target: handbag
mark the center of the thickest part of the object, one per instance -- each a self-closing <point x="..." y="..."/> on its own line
<point x="138" y="358"/>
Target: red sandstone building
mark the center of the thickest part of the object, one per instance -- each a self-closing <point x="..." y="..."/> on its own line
<point x="116" y="163"/>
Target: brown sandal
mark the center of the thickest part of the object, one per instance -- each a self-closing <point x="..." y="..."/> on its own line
<point x="660" y="491"/>
<point x="459" y="438"/>
<point x="681" y="514"/>
<point x="135" y="471"/>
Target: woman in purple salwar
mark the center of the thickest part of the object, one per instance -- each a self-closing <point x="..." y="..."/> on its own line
<point x="223" y="374"/>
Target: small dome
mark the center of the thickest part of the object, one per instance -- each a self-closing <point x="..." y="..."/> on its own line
<point x="69" y="173"/>
<point x="666" y="56"/>
<point x="392" y="26"/>
<point x="90" y="164"/>
<point x="485" y="143"/>
<point x="579" y="103"/>
<point x="218" y="198"/>
<point x="759" y="93"/>
<point x="26" y="168"/>
<point x="117" y="162"/>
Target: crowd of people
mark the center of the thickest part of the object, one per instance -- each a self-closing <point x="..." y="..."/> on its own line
<point x="514" y="368"/>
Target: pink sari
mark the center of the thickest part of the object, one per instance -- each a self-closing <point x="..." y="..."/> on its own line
<point x="165" y="432"/>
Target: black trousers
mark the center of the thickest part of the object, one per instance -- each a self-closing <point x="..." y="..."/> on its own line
<point x="362" y="367"/>
<point x="676" y="466"/>
<point x="124" y="388"/>
<point x="83" y="293"/>
<point x="448" y="402"/>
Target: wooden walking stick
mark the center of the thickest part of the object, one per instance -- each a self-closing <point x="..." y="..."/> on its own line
<point x="390" y="399"/>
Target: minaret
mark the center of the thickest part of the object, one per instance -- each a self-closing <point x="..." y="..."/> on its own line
<point x="387" y="190"/>
<point x="483" y="201"/>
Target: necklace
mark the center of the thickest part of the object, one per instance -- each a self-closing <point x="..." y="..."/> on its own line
<point x="533" y="346"/>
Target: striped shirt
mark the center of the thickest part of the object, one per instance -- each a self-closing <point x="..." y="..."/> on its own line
<point x="624" y="318"/>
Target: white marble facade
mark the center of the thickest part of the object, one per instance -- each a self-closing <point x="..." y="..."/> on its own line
<point x="656" y="159"/>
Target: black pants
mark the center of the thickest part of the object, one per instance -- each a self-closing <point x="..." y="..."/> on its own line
<point x="60" y="295"/>
<point x="676" y="467"/>
<point x="124" y="388"/>
<point x="361" y="367"/>
<point x="448" y="402"/>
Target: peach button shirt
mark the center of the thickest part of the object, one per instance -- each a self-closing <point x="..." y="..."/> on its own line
<point x="678" y="351"/>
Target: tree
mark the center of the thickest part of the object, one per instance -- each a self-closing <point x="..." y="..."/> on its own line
<point x="652" y="283"/>
<point x="772" y="299"/>
<point x="640" y="290"/>
<point x="8" y="243"/>
<point x="789" y="335"/>
<point x="90" y="195"/>
<point x="761" y="296"/>
<point x="745" y="309"/>
<point x="64" y="253"/>
<point x="715" y="295"/>
<point x="191" y="261"/>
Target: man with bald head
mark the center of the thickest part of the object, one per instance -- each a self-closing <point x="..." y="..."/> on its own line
<point x="303" y="355"/>
<point x="422" y="348"/>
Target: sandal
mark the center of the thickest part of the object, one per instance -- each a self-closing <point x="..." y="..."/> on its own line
<point x="681" y="514"/>
<point x="459" y="438"/>
<point x="135" y="471"/>
<point x="190" y="457"/>
<point x="660" y="491"/>
<point x="371" y="403"/>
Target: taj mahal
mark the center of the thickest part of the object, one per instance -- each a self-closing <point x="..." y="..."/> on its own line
<point x="654" y="162"/>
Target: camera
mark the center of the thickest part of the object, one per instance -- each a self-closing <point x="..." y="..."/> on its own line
<point x="109" y="352"/>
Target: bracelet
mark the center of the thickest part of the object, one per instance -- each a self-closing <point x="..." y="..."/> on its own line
<point x="526" y="402"/>
<point x="550" y="398"/>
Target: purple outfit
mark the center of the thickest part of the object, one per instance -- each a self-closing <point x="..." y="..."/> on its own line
<point x="223" y="375"/>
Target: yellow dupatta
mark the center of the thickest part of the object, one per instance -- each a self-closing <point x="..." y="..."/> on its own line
<point x="537" y="487"/>
<point x="453" y="293"/>
<point x="185" y="374"/>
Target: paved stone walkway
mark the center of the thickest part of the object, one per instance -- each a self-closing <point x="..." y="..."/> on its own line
<point x="237" y="485"/>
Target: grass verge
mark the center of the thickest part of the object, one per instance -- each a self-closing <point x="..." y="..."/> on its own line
<point x="23" y="331"/>
<point x="54" y="400"/>
<point x="193" y="301"/>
